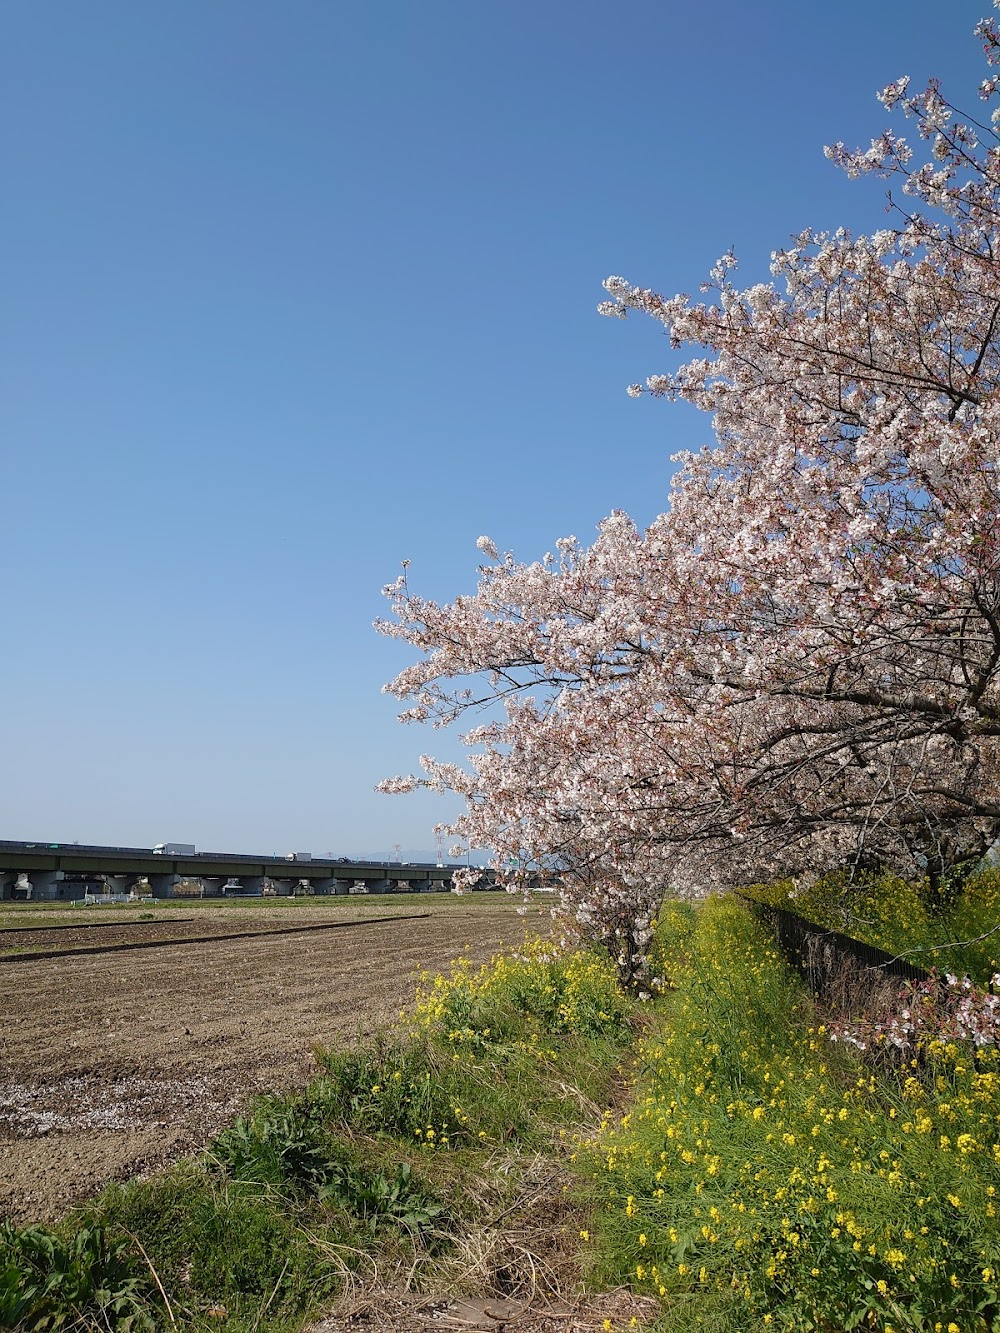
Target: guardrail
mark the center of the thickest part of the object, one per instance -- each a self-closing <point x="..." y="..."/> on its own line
<point x="109" y="899"/>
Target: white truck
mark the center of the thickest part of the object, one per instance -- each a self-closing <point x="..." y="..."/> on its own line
<point x="174" y="849"/>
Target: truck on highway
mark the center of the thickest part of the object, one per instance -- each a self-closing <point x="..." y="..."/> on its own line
<point x="174" y="849"/>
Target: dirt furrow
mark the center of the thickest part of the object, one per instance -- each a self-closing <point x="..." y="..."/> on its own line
<point x="116" y="1062"/>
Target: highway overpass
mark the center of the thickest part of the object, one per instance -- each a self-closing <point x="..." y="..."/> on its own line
<point x="47" y="871"/>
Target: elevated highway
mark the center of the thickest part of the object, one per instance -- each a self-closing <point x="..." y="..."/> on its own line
<point x="40" y="870"/>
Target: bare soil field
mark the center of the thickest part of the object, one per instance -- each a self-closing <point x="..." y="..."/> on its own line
<point x="128" y="1042"/>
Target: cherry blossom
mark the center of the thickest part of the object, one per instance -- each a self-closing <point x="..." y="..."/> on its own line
<point x="797" y="665"/>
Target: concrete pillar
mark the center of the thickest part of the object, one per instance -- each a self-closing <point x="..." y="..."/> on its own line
<point x="341" y="886"/>
<point x="162" y="886"/>
<point x="211" y="886"/>
<point x="378" y="886"/>
<point x="325" y="886"/>
<point x="246" y="884"/>
<point x="36" y="884"/>
<point x="7" y="881"/>
<point x="419" y="886"/>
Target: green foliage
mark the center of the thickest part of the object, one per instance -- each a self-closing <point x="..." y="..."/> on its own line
<point x="395" y="1197"/>
<point x="414" y="1091"/>
<point x="766" y="1177"/>
<point x="276" y="1145"/>
<point x="85" y="1282"/>
<point x="517" y="1000"/>
<point x="476" y="1042"/>
<point x="283" y="1144"/>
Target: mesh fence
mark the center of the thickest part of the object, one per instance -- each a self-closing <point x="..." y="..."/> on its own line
<point x="840" y="970"/>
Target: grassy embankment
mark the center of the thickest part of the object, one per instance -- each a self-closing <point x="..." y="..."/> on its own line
<point x="765" y="1177"/>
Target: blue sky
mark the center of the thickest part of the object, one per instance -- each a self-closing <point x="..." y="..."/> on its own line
<point x="294" y="291"/>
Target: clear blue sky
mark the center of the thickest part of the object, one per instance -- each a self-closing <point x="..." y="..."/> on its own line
<point x="296" y="290"/>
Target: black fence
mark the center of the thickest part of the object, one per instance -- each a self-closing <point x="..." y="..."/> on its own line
<point x="835" y="967"/>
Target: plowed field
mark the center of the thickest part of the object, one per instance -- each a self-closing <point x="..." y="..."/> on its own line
<point x="126" y="1043"/>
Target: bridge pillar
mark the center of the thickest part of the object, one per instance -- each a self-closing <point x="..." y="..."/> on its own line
<point x="419" y="886"/>
<point x="162" y="886"/>
<point x="325" y="886"/>
<point x="35" y="884"/>
<point x="8" y="878"/>
<point x="246" y="884"/>
<point x="378" y="886"/>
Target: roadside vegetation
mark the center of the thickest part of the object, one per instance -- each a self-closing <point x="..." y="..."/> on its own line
<point x="766" y="1176"/>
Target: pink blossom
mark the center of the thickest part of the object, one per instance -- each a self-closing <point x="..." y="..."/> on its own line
<point x="797" y="665"/>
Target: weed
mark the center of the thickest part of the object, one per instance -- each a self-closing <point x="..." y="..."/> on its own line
<point x="85" y="1282"/>
<point x="396" y="1198"/>
<point x="283" y="1145"/>
<point x="276" y="1145"/>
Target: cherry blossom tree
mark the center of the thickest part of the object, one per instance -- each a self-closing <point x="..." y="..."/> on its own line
<point x="797" y="666"/>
